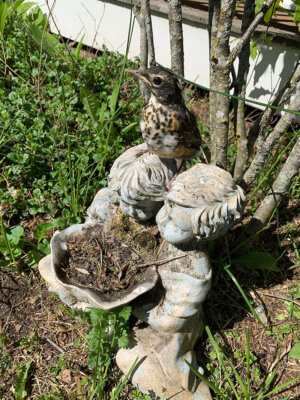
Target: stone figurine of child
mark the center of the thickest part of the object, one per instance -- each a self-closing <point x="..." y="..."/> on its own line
<point x="137" y="183"/>
<point x="202" y="204"/>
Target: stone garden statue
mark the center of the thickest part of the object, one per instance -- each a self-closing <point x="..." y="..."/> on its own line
<point x="201" y="204"/>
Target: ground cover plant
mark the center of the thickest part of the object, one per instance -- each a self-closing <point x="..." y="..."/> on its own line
<point x="63" y="121"/>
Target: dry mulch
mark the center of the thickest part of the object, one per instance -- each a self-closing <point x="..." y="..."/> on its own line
<point x="114" y="261"/>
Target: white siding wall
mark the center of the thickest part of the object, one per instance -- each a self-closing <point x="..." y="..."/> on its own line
<point x="107" y="23"/>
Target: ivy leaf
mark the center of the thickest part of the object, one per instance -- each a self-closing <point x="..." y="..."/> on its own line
<point x="257" y="260"/>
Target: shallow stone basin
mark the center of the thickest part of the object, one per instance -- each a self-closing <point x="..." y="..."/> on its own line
<point x="77" y="295"/>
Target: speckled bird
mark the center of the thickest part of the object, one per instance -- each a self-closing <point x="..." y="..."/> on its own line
<point x="168" y="127"/>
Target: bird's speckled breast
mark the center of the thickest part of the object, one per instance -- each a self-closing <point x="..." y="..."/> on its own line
<point x="161" y="129"/>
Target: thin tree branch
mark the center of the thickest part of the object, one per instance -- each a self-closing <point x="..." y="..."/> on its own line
<point x="280" y="186"/>
<point x="265" y="146"/>
<point x="246" y="36"/>
<point x="241" y="134"/>
<point x="280" y="100"/>
<point x="176" y="36"/>
<point x="139" y="12"/>
<point x="149" y="32"/>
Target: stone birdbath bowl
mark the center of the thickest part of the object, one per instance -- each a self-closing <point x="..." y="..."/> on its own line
<point x="179" y="216"/>
<point x="54" y="268"/>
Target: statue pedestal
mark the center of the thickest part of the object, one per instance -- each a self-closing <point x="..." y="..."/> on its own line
<point x="155" y="352"/>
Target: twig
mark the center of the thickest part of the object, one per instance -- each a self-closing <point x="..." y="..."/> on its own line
<point x="238" y="48"/>
<point x="60" y="349"/>
<point x="161" y="262"/>
<point x="280" y="356"/>
<point x="297" y="303"/>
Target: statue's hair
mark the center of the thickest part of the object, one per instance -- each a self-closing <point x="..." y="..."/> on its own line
<point x="217" y="202"/>
<point x="138" y="177"/>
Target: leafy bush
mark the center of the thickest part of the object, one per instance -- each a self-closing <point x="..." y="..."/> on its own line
<point x="54" y="153"/>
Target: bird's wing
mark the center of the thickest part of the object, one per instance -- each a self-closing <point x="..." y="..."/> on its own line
<point x="191" y="134"/>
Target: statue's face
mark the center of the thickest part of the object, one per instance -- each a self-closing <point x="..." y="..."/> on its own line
<point x="174" y="223"/>
<point x="142" y="211"/>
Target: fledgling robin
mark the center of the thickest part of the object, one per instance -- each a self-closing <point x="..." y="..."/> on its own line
<point x="168" y="127"/>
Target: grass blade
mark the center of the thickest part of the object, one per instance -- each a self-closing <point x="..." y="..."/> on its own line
<point x="244" y="296"/>
<point x="280" y="387"/>
<point x="116" y="393"/>
<point x="220" y="355"/>
<point x="248" y="359"/>
<point x="205" y="380"/>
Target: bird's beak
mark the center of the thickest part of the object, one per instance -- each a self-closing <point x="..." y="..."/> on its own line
<point x="139" y="74"/>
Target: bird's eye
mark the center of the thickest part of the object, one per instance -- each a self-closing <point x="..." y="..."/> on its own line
<point x="157" y="80"/>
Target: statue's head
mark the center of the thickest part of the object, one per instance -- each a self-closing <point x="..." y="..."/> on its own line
<point x="140" y="181"/>
<point x="203" y="203"/>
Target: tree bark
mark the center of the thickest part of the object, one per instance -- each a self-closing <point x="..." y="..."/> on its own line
<point x="221" y="20"/>
<point x="149" y="32"/>
<point x="241" y="134"/>
<point x="176" y="36"/>
<point x="140" y="12"/>
<point x="265" y="146"/>
<point x="280" y="186"/>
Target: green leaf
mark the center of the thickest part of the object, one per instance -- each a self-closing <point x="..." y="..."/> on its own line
<point x="253" y="50"/>
<point x="96" y="315"/>
<point x="257" y="260"/>
<point x="23" y="8"/>
<point x="14" y="234"/>
<point x="295" y="352"/>
<point x="90" y="103"/>
<point x="271" y="12"/>
<point x="20" y="389"/>
<point x="129" y="127"/>
<point x="114" y="98"/>
<point x="44" y="39"/>
<point x="3" y="12"/>
<point x="123" y="340"/>
<point x="78" y="48"/>
<point x="45" y="227"/>
<point x="124" y="313"/>
<point x="297" y="13"/>
<point x="258" y="5"/>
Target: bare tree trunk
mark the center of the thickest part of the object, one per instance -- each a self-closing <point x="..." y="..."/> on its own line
<point x="241" y="134"/>
<point x="221" y="21"/>
<point x="280" y="186"/>
<point x="265" y="146"/>
<point x="176" y="36"/>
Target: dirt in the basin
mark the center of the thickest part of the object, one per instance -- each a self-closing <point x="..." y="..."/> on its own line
<point x="113" y="261"/>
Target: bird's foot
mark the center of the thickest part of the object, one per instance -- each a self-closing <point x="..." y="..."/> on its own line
<point x="169" y="185"/>
<point x="140" y="153"/>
